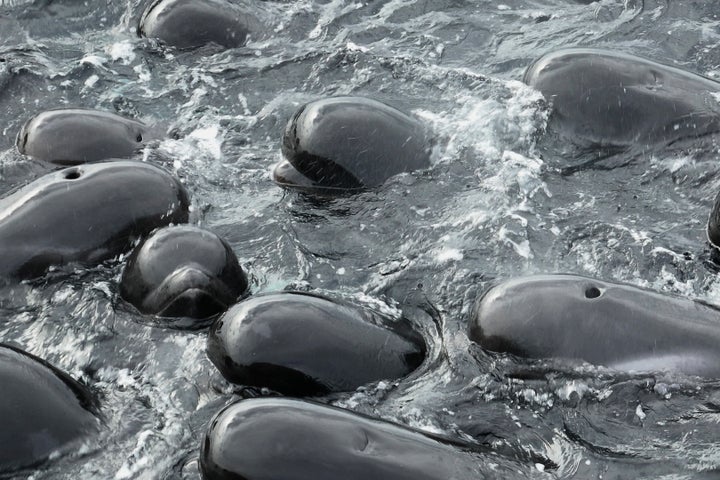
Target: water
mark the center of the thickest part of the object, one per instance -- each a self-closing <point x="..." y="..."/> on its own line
<point x="497" y="203"/>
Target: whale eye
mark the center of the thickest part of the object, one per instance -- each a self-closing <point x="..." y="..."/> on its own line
<point x="72" y="174"/>
<point x="592" y="292"/>
<point x="139" y="137"/>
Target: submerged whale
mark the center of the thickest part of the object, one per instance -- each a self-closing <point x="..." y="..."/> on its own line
<point x="85" y="214"/>
<point x="606" y="98"/>
<point x="187" y="24"/>
<point x="304" y="344"/>
<point x="183" y="271"/>
<point x="73" y="136"/>
<point x="44" y="411"/>
<point x="345" y="144"/>
<point x="618" y="326"/>
<point x="277" y="438"/>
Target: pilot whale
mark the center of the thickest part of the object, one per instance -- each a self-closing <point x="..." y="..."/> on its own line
<point x="622" y="327"/>
<point x="604" y="98"/>
<point x="280" y="438"/>
<point x="183" y="271"/>
<point x="72" y="136"/>
<point x="44" y="411"/>
<point x="186" y="24"/>
<point x="305" y="344"/>
<point x="85" y="214"/>
<point x="713" y="224"/>
<point x="346" y="144"/>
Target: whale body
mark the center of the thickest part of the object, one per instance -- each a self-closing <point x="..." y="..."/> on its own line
<point x="606" y="98"/>
<point x="183" y="271"/>
<point x="188" y="24"/>
<point x="713" y="224"/>
<point x="74" y="135"/>
<point x="614" y="325"/>
<point x="277" y="438"/>
<point x="44" y="411"/>
<point x="85" y="214"/>
<point x="304" y="344"/>
<point x="345" y="144"/>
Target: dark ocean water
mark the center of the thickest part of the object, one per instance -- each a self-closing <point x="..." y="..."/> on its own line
<point x="497" y="203"/>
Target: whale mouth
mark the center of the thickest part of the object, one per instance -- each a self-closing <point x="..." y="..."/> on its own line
<point x="286" y="175"/>
<point x="189" y="293"/>
<point x="193" y="303"/>
<point x="710" y="240"/>
<point x="22" y="137"/>
<point x="150" y="9"/>
<point x="324" y="172"/>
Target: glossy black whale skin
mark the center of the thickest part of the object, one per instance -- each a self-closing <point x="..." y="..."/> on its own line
<point x="278" y="438"/>
<point x="713" y="225"/>
<point x="74" y="136"/>
<point x="614" y="325"/>
<point x="183" y="271"/>
<point x="85" y="214"/>
<point x="44" y="411"/>
<point x="611" y="99"/>
<point x="188" y="24"/>
<point x="305" y="344"/>
<point x="345" y="144"/>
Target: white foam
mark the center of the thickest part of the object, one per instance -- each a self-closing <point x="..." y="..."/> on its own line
<point x="639" y="412"/>
<point x="448" y="255"/>
<point x="123" y="51"/>
<point x="521" y="247"/>
<point x="209" y="139"/>
<point x="572" y="387"/>
<point x="95" y="60"/>
<point x="201" y="148"/>
<point x="91" y="81"/>
<point x="389" y="310"/>
<point x="353" y="47"/>
<point x="516" y="171"/>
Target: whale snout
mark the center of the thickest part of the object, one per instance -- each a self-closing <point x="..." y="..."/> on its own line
<point x="194" y="303"/>
<point x="190" y="292"/>
<point x="183" y="272"/>
<point x="22" y="138"/>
